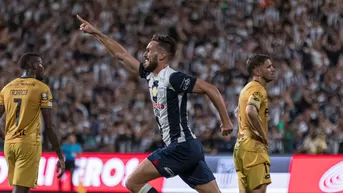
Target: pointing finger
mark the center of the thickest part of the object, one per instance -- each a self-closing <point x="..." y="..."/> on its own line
<point x="82" y="20"/>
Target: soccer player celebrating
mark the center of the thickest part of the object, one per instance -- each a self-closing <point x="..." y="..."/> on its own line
<point x="251" y="150"/>
<point x="24" y="100"/>
<point x="183" y="154"/>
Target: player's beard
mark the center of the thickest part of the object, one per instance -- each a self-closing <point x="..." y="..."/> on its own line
<point x="267" y="78"/>
<point x="152" y="64"/>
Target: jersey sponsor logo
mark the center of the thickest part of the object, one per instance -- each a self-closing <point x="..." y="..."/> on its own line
<point x="18" y="92"/>
<point x="27" y="84"/>
<point x="157" y="105"/>
<point x="185" y="83"/>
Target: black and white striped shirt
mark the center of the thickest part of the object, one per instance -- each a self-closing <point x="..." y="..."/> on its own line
<point x="168" y="92"/>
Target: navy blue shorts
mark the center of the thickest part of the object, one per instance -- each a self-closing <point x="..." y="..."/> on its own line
<point x="184" y="159"/>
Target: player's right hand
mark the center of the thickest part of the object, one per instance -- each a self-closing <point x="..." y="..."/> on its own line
<point x="86" y="26"/>
<point x="60" y="167"/>
<point x="226" y="129"/>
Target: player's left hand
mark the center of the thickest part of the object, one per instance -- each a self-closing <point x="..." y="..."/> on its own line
<point x="226" y="129"/>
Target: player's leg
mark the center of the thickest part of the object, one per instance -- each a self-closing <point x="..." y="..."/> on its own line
<point x="20" y="189"/>
<point x="259" y="178"/>
<point x="242" y="182"/>
<point x="201" y="178"/>
<point x="10" y="154"/>
<point x="238" y="162"/>
<point x="146" y="171"/>
<point x="167" y="162"/>
<point x="26" y="167"/>
<point x="137" y="181"/>
<point x="10" y="159"/>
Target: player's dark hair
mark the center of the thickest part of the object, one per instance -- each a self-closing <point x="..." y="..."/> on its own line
<point x="256" y="61"/>
<point x="167" y="43"/>
<point x="28" y="60"/>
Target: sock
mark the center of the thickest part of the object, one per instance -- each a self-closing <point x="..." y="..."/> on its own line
<point x="147" y="188"/>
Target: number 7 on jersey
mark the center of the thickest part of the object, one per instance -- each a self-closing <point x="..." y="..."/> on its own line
<point x="17" y="110"/>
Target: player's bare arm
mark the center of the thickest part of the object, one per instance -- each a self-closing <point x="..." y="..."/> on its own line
<point x="112" y="46"/>
<point x="47" y="114"/>
<point x="203" y="87"/>
<point x="2" y="132"/>
<point x="255" y="122"/>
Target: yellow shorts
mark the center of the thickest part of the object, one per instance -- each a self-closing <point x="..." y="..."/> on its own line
<point x="252" y="167"/>
<point x="23" y="162"/>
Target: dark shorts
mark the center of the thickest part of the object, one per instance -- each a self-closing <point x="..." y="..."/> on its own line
<point x="184" y="159"/>
<point x="70" y="165"/>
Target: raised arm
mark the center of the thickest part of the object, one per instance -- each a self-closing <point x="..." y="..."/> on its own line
<point x="112" y="46"/>
<point x="184" y="83"/>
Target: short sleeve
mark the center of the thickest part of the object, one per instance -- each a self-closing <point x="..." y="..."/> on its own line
<point x="142" y="72"/>
<point x="46" y="98"/>
<point x="2" y="98"/>
<point x="182" y="82"/>
<point x="256" y="97"/>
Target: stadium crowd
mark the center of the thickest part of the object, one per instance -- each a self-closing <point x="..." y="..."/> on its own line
<point x="108" y="109"/>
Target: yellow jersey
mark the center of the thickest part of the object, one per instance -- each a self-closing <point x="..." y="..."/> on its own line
<point x="23" y="99"/>
<point x="253" y="94"/>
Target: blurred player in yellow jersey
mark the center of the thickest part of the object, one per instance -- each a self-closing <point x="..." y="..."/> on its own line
<point x="251" y="150"/>
<point x="24" y="100"/>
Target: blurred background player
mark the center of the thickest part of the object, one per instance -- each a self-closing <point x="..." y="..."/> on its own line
<point x="251" y="150"/>
<point x="183" y="154"/>
<point x="71" y="150"/>
<point x="25" y="100"/>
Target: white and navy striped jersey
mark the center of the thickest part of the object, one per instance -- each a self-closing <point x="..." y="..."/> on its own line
<point x="168" y="93"/>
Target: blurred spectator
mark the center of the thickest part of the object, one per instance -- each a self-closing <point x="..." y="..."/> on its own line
<point x="314" y="144"/>
<point x="71" y="150"/>
<point x="109" y="110"/>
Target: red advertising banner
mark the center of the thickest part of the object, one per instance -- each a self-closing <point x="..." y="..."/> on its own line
<point x="316" y="174"/>
<point x="97" y="172"/>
